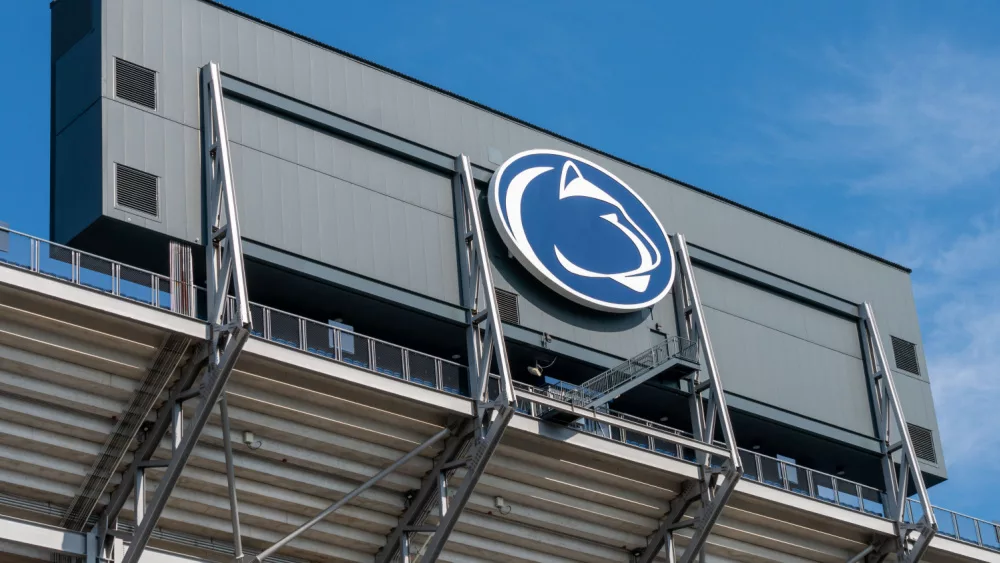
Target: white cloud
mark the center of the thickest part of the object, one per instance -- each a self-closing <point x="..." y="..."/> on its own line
<point x="913" y="127"/>
<point x="907" y="116"/>
<point x="965" y="370"/>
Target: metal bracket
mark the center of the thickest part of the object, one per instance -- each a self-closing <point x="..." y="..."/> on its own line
<point x="912" y="538"/>
<point x="474" y="441"/>
<point x="716" y="478"/>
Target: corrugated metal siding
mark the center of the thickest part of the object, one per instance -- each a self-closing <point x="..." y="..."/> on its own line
<point x="786" y="354"/>
<point x="333" y="201"/>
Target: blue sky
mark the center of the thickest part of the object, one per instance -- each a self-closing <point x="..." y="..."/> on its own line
<point x="874" y="123"/>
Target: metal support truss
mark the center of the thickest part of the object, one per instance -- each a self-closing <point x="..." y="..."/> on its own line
<point x="228" y="330"/>
<point x="717" y="478"/>
<point x="144" y="398"/>
<point x="473" y="441"/>
<point x="912" y="538"/>
<point x="345" y="499"/>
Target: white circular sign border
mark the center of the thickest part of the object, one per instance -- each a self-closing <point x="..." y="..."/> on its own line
<point x="540" y="271"/>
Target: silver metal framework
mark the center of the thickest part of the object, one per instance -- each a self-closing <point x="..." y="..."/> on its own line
<point x="912" y="538"/>
<point x="473" y="441"/>
<point x="228" y="330"/>
<point x="717" y="478"/>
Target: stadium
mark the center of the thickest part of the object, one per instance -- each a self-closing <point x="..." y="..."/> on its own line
<point x="296" y="306"/>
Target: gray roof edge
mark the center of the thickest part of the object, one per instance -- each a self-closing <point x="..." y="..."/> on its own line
<point x="219" y="4"/>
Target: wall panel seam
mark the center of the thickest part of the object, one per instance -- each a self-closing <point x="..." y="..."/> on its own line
<point x="778" y="330"/>
<point x="346" y="181"/>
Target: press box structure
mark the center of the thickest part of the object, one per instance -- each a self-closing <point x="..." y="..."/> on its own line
<point x="344" y="174"/>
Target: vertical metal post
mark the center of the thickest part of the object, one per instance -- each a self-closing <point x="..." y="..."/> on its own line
<point x="225" y="272"/>
<point x="234" y="508"/>
<point x="889" y="422"/>
<point x="708" y="408"/>
<point x="477" y="439"/>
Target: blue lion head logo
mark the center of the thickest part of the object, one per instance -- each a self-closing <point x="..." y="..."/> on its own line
<point x="581" y="231"/>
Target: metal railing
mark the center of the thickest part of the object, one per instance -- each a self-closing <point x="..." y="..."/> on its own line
<point x="148" y="288"/>
<point x="80" y="268"/>
<point x="632" y="368"/>
<point x="812" y="483"/>
<point x="88" y="270"/>
<point x="358" y="350"/>
<point x="958" y="526"/>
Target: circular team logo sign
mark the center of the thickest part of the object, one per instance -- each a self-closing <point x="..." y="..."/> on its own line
<point x="581" y="231"/>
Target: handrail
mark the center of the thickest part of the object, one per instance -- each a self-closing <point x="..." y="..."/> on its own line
<point x="642" y="363"/>
<point x="376" y="355"/>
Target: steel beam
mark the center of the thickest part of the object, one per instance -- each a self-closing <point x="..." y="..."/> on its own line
<point x="473" y="441"/>
<point x="716" y="481"/>
<point x="228" y="306"/>
<point x="346" y="499"/>
<point x="912" y="538"/>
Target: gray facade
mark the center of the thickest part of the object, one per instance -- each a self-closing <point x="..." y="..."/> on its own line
<point x="779" y="299"/>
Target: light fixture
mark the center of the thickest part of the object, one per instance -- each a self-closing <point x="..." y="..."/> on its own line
<point x="840" y="472"/>
<point x="664" y="418"/>
<point x="456" y="356"/>
<point x="756" y="447"/>
<point x="248" y="440"/>
<point x="537" y="370"/>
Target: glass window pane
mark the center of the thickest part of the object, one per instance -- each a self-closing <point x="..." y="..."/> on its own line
<point x="990" y="534"/>
<point x="55" y="261"/>
<point x="422" y="369"/>
<point x="284" y="329"/>
<point x="770" y="473"/>
<point x="634" y="438"/>
<point x="664" y="447"/>
<point x="749" y="465"/>
<point x="358" y="354"/>
<point x="847" y="494"/>
<point x="946" y="526"/>
<point x="17" y="252"/>
<point x="823" y="487"/>
<point x="967" y="529"/>
<point x="320" y="338"/>
<point x="389" y="360"/>
<point x="135" y="285"/>
<point x="871" y="500"/>
<point x="454" y="379"/>
<point x="95" y="273"/>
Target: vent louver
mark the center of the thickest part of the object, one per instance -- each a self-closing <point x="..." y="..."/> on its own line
<point x="135" y="190"/>
<point x="135" y="83"/>
<point x="507" y="305"/>
<point x="906" y="355"/>
<point x="923" y="442"/>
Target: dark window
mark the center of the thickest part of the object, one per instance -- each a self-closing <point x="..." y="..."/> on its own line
<point x="135" y="83"/>
<point x="507" y="305"/>
<point x="135" y="190"/>
<point x="923" y="442"/>
<point x="906" y="355"/>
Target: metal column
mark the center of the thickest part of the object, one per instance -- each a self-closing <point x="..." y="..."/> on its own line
<point x="473" y="441"/>
<point x="912" y="538"/>
<point x="228" y="315"/>
<point x="716" y="481"/>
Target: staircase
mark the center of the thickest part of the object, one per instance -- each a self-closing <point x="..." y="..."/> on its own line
<point x="672" y="358"/>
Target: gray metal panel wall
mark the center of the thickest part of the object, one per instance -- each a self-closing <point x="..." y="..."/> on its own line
<point x="333" y="201"/>
<point x="176" y="38"/>
<point x="779" y="352"/>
